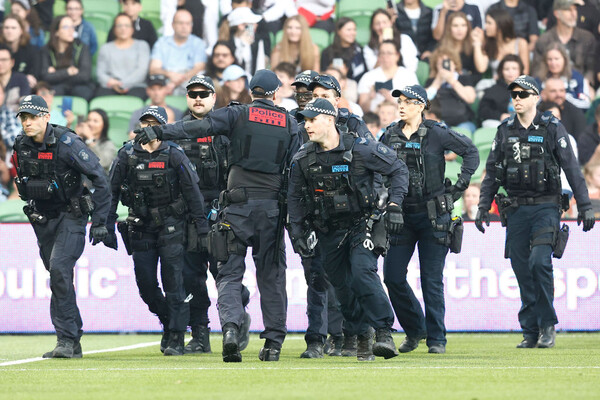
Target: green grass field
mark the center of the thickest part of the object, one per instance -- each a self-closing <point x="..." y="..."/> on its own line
<point x="476" y="366"/>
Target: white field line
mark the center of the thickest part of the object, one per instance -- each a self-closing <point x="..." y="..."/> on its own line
<point x="122" y="348"/>
<point x="364" y="366"/>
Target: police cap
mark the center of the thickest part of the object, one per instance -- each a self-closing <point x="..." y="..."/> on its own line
<point x="525" y="82"/>
<point x="203" y="80"/>
<point x="326" y="81"/>
<point x="264" y="83"/>
<point x="304" y="78"/>
<point x="33" y="104"/>
<point x="318" y="106"/>
<point x="157" y="112"/>
<point x="416" y="92"/>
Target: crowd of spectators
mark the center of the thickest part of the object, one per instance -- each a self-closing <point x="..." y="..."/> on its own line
<point x="465" y="53"/>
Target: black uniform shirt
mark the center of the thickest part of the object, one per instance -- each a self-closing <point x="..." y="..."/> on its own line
<point x="374" y="156"/>
<point x="558" y="143"/>
<point x="72" y="153"/>
<point x="436" y="141"/>
<point x="186" y="173"/>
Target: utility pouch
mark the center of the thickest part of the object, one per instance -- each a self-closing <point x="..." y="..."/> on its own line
<point x="381" y="243"/>
<point x="39" y="189"/>
<point x="34" y="216"/>
<point x="512" y="176"/>
<point x="156" y="216"/>
<point x="340" y="203"/>
<point x="178" y="208"/>
<point x="75" y="207"/>
<point x="134" y="220"/>
<point x="217" y="241"/>
<point x="562" y="237"/>
<point x="192" y="235"/>
<point x="86" y="204"/>
<point x="564" y="202"/>
<point x="456" y="234"/>
<point x="123" y="229"/>
<point x="503" y="203"/>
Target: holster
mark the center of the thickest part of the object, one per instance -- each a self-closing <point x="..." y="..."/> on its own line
<point x="504" y="204"/>
<point x="379" y="236"/>
<point x="123" y="229"/>
<point x="196" y="242"/>
<point x="455" y="233"/>
<point x="558" y="241"/>
<point x="222" y="242"/>
<point x="34" y="216"/>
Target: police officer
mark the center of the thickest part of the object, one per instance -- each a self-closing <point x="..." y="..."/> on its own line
<point x="319" y="295"/>
<point x="328" y="88"/>
<point x="421" y="144"/>
<point x="50" y="160"/>
<point x="159" y="185"/>
<point x="526" y="157"/>
<point x="209" y="155"/>
<point x="263" y="140"/>
<point x="332" y="192"/>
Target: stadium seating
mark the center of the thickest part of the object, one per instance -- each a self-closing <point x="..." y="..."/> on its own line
<point x="152" y="16"/>
<point x="118" y="109"/>
<point x="484" y="136"/>
<point x="452" y="170"/>
<point x="422" y="72"/>
<point x="343" y="8"/>
<point x="101" y="21"/>
<point x="178" y="102"/>
<point x="12" y="211"/>
<point x="432" y="3"/>
<point x="79" y="107"/>
<point x="110" y="7"/>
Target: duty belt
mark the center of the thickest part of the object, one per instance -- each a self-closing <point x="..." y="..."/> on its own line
<point x="242" y="195"/>
<point x="414" y="208"/>
<point x="530" y="201"/>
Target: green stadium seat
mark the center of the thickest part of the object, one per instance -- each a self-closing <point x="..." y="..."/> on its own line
<point x="464" y="131"/>
<point x="452" y="170"/>
<point x="151" y="6"/>
<point x="432" y="3"/>
<point x="178" y="102"/>
<point x="422" y="72"/>
<point x="589" y="115"/>
<point x="12" y="211"/>
<point x="110" y="7"/>
<point x="80" y="105"/>
<point x="118" y="129"/>
<point x="101" y="21"/>
<point x="347" y="6"/>
<point x="484" y="136"/>
<point x="116" y="104"/>
<point x="320" y="37"/>
<point x="152" y="16"/>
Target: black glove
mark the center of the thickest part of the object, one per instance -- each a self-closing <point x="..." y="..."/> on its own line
<point x="482" y="215"/>
<point x="98" y="233"/>
<point x="394" y="220"/>
<point x="110" y="240"/>
<point x="458" y="188"/>
<point x="588" y="219"/>
<point x="148" y="134"/>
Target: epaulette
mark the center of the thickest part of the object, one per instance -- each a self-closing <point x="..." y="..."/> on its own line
<point x="361" y="140"/>
<point x="510" y="121"/>
<point x="548" y="118"/>
<point x="174" y="145"/>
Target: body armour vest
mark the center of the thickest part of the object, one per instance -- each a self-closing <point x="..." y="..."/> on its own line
<point x="528" y="162"/>
<point x="151" y="183"/>
<point x="425" y="171"/>
<point x="260" y="139"/>
<point x="210" y="160"/>
<point x="336" y="196"/>
<point x="38" y="177"/>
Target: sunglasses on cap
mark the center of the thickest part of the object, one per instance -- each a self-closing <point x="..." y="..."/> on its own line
<point x="192" y="94"/>
<point x="521" y="94"/>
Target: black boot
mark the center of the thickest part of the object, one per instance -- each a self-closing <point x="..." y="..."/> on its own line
<point x="364" y="348"/>
<point x="200" y="342"/>
<point x="529" y="342"/>
<point x="384" y="344"/>
<point x="164" y="340"/>
<point x="409" y="344"/>
<point x="231" y="349"/>
<point x="547" y="337"/>
<point x="333" y="346"/>
<point x="270" y="351"/>
<point x="245" y="332"/>
<point x="65" y="348"/>
<point x="175" y="346"/>
<point x="314" y="349"/>
<point x="349" y="346"/>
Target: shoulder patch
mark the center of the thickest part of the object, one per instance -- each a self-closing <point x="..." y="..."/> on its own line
<point x="362" y="140"/>
<point x="562" y="142"/>
<point x="383" y="149"/>
<point x="83" y="155"/>
<point x="192" y="166"/>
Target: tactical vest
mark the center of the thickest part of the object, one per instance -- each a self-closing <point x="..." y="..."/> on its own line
<point x="334" y="196"/>
<point x="151" y="184"/>
<point x="426" y="174"/>
<point x="38" y="177"/>
<point x="260" y="139"/>
<point x="211" y="165"/>
<point x="529" y="164"/>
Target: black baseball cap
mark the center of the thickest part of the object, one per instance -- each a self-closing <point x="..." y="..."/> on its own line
<point x="304" y="78"/>
<point x="416" y="92"/>
<point x="157" y="79"/>
<point x="203" y="80"/>
<point x="525" y="82"/>
<point x="157" y="112"/>
<point x="318" y="106"/>
<point x="265" y="80"/>
<point x="326" y="81"/>
<point x="33" y="104"/>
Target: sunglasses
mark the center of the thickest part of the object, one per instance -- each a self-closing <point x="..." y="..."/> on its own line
<point x="192" y="94"/>
<point x="521" y="94"/>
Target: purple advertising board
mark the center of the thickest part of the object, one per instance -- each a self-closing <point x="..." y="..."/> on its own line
<point x="480" y="288"/>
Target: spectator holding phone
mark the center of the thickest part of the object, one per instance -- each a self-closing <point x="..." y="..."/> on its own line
<point x="376" y="86"/>
<point x="382" y="29"/>
<point x="123" y="63"/>
<point x="345" y="50"/>
<point x="458" y="40"/>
